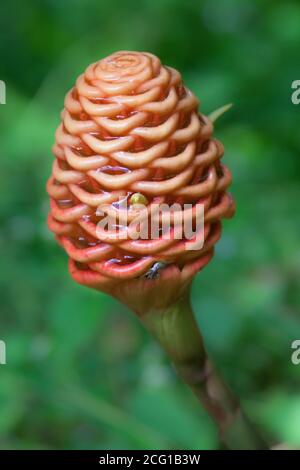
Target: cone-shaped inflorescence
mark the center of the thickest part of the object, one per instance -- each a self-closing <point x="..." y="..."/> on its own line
<point x="131" y="134"/>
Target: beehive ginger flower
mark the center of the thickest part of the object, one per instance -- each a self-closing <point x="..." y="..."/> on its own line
<point x="131" y="135"/>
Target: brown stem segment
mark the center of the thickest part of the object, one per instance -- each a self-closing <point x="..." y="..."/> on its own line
<point x="176" y="330"/>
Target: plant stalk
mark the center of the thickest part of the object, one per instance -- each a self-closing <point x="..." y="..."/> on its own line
<point x="176" y="330"/>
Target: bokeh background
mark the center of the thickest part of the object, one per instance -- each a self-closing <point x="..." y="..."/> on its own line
<point x="81" y="372"/>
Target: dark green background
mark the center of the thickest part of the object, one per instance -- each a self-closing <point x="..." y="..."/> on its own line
<point x="81" y="371"/>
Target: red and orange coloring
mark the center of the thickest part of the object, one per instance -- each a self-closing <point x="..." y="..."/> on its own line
<point x="130" y="129"/>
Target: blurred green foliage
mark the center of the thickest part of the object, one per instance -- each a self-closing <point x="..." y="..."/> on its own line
<point x="81" y="371"/>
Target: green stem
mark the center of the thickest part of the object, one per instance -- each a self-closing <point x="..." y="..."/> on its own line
<point x="176" y="330"/>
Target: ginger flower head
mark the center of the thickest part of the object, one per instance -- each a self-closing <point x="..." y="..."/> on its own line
<point x="132" y="138"/>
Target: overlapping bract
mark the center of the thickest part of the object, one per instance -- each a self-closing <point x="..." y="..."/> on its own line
<point x="129" y="126"/>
